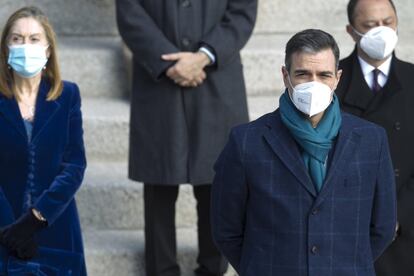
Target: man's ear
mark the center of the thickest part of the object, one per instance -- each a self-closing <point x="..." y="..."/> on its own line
<point x="338" y="77"/>
<point x="285" y="75"/>
<point x="350" y="31"/>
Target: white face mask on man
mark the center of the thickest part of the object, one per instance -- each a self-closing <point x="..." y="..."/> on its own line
<point x="379" y="42"/>
<point x="311" y="98"/>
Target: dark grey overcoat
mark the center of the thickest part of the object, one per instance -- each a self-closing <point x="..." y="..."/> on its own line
<point x="177" y="133"/>
<point x="393" y="109"/>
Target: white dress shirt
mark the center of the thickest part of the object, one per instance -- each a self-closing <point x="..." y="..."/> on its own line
<point x="367" y="71"/>
<point x="210" y="55"/>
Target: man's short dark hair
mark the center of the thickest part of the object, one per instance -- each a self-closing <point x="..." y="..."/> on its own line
<point x="310" y="41"/>
<point x="351" y="10"/>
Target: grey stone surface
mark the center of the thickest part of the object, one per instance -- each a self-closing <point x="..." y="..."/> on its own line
<point x="106" y="128"/>
<point x="74" y="17"/>
<point x="95" y="64"/>
<point x="260" y="105"/>
<point x="278" y="16"/>
<point x="97" y="17"/>
<point x="106" y="124"/>
<point x="121" y="253"/>
<point x="108" y="200"/>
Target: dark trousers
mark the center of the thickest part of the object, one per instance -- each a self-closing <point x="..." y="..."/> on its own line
<point x="160" y="238"/>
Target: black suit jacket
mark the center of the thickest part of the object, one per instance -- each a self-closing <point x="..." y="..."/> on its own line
<point x="392" y="108"/>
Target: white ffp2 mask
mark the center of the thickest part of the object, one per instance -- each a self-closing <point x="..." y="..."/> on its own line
<point x="379" y="42"/>
<point x="311" y="98"/>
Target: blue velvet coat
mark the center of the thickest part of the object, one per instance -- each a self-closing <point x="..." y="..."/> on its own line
<point x="44" y="173"/>
<point x="268" y="219"/>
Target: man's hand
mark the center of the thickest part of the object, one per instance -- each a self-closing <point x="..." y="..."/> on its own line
<point x="189" y="68"/>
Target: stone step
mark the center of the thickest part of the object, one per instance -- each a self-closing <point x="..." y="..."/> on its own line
<point x="282" y="16"/>
<point x="96" y="64"/>
<point x="106" y="128"/>
<point x="97" y="17"/>
<point x="109" y="200"/>
<point x="75" y="17"/>
<point x="121" y="253"/>
<point x="106" y="125"/>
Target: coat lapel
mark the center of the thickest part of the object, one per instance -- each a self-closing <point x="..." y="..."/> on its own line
<point x="346" y="144"/>
<point x="10" y="111"/>
<point x="45" y="110"/>
<point x="282" y="143"/>
<point x="361" y="96"/>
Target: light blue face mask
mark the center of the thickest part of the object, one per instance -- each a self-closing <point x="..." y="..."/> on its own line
<point x="27" y="60"/>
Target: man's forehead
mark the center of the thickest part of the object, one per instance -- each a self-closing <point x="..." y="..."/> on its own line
<point x="322" y="60"/>
<point x="370" y="8"/>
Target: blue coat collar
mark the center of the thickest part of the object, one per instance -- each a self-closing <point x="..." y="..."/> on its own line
<point x="45" y="110"/>
<point x="282" y="143"/>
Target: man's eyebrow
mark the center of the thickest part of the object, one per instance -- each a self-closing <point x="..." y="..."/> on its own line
<point x="375" y="20"/>
<point x="297" y="71"/>
<point x="326" y="73"/>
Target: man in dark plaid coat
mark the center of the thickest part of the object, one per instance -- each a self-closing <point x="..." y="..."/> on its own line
<point x="305" y="193"/>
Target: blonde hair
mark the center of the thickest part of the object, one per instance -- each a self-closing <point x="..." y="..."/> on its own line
<point x="52" y="71"/>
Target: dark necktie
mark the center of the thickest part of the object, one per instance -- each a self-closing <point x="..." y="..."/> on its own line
<point x="375" y="84"/>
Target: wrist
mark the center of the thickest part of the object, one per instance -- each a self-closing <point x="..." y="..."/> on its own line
<point x="203" y="58"/>
<point x="38" y="215"/>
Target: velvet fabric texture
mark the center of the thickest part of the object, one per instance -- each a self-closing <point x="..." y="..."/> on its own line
<point x="46" y="172"/>
<point x="314" y="142"/>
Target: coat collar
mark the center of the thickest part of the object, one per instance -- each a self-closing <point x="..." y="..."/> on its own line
<point x="347" y="142"/>
<point x="360" y="95"/>
<point x="283" y="144"/>
<point x="45" y="110"/>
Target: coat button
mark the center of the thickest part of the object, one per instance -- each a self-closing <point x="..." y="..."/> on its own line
<point x="31" y="176"/>
<point x="315" y="211"/>
<point x="397" y="172"/>
<point x="397" y="126"/>
<point x="186" y="42"/>
<point x="314" y="249"/>
<point x="397" y="230"/>
<point x="185" y="3"/>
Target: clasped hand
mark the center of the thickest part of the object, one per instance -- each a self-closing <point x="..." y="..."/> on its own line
<point x="18" y="237"/>
<point x="188" y="71"/>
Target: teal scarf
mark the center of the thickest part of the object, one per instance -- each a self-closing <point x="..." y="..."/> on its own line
<point x="315" y="142"/>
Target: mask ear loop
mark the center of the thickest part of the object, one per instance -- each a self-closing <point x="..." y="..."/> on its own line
<point x="356" y="32"/>
<point x="293" y="88"/>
